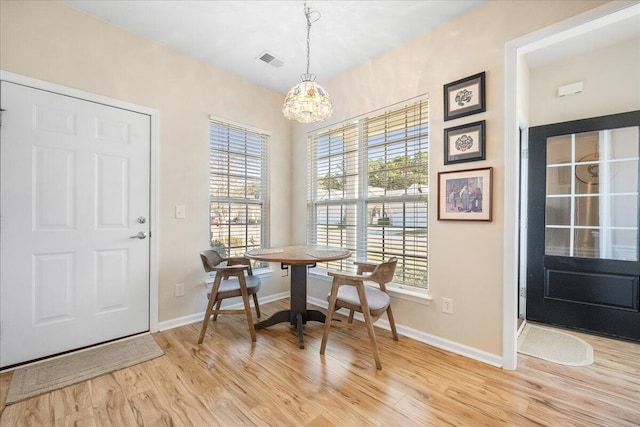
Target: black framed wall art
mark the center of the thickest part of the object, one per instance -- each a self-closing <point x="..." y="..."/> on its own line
<point x="465" y="97"/>
<point x="465" y="143"/>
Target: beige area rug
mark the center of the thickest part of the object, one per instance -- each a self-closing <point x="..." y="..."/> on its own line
<point x="554" y="346"/>
<point x="76" y="367"/>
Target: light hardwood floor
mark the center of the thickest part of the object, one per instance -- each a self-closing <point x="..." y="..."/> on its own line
<point x="227" y="381"/>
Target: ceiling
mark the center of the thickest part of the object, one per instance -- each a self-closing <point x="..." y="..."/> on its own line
<point x="615" y="28"/>
<point x="232" y="35"/>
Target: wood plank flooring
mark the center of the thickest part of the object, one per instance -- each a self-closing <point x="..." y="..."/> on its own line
<point x="227" y="381"/>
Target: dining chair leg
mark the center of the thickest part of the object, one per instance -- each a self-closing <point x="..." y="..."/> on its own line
<point x="247" y="307"/>
<point x="350" y="320"/>
<point x="392" y="323"/>
<point x="207" y="315"/>
<point x="369" y="323"/>
<point x="215" y="312"/>
<point x="255" y="302"/>
<point x="332" y="309"/>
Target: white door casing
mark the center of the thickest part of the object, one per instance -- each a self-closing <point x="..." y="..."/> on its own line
<point x="75" y="180"/>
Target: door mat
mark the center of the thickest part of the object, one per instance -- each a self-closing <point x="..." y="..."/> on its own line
<point x="80" y="366"/>
<point x="554" y="346"/>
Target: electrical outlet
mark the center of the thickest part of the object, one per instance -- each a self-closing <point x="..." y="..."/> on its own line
<point x="179" y="290"/>
<point x="181" y="212"/>
<point x="447" y="305"/>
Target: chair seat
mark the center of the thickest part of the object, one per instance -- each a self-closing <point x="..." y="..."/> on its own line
<point x="231" y="287"/>
<point x="348" y="298"/>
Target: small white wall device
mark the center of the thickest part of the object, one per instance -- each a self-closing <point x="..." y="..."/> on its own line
<point x="570" y="89"/>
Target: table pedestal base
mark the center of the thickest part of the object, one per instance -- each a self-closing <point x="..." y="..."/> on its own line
<point x="297" y="315"/>
<point x="297" y="320"/>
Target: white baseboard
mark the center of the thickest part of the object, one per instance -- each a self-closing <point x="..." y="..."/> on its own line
<point x="444" y="344"/>
<point x="521" y="328"/>
<point x="197" y="317"/>
<point x="435" y="341"/>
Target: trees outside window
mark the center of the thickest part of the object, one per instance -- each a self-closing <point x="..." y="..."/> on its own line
<point x="368" y="189"/>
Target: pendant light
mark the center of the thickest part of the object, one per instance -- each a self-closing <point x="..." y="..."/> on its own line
<point x="308" y="102"/>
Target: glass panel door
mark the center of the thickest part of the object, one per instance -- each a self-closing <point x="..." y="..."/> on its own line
<point x="591" y="208"/>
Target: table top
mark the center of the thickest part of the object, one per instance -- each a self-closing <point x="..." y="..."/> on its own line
<point x="299" y="255"/>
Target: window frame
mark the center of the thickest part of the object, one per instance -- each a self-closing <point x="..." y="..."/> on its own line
<point x="259" y="140"/>
<point x="360" y="198"/>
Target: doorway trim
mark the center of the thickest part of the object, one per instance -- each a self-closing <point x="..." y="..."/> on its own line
<point x="154" y="162"/>
<point x="514" y="98"/>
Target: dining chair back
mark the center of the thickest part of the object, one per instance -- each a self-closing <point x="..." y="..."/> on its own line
<point x="230" y="281"/>
<point x="349" y="291"/>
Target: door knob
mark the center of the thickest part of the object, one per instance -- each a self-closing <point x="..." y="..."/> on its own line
<point x="141" y="235"/>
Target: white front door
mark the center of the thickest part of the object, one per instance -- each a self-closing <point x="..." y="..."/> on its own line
<point x="74" y="179"/>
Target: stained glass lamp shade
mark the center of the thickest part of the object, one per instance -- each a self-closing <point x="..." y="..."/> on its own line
<point x="307" y="102"/>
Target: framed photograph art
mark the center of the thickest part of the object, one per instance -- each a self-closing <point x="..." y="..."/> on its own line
<point x="464" y="143"/>
<point x="464" y="97"/>
<point x="465" y="195"/>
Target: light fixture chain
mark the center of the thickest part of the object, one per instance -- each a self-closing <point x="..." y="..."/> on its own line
<point x="307" y="13"/>
<point x="308" y="102"/>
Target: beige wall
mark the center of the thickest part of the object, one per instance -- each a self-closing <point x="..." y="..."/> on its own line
<point x="611" y="85"/>
<point x="53" y="42"/>
<point x="465" y="259"/>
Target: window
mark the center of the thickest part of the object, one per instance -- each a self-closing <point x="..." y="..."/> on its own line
<point x="238" y="188"/>
<point x="368" y="189"/>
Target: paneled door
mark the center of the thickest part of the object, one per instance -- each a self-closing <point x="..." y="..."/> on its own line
<point x="74" y="236"/>
<point x="583" y="260"/>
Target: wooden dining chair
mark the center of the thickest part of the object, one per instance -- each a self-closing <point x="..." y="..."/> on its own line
<point x="349" y="291"/>
<point x="230" y="281"/>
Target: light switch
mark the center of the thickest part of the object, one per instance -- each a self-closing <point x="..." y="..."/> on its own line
<point x="181" y="212"/>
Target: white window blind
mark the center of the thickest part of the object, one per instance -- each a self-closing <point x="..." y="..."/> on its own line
<point x="238" y="188"/>
<point x="368" y="189"/>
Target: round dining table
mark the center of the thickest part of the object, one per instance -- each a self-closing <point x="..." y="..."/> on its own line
<point x="299" y="258"/>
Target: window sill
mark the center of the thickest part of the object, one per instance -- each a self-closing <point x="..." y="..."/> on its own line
<point x="419" y="296"/>
<point x="265" y="272"/>
<point x="262" y="272"/>
<point x="414" y="295"/>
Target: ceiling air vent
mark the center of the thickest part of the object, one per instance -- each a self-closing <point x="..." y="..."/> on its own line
<point x="271" y="60"/>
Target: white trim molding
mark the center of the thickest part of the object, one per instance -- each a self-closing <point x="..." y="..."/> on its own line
<point x="544" y="37"/>
<point x="419" y="296"/>
<point x="432" y="340"/>
<point x="197" y="317"/>
<point x="444" y="344"/>
<point x="154" y="241"/>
